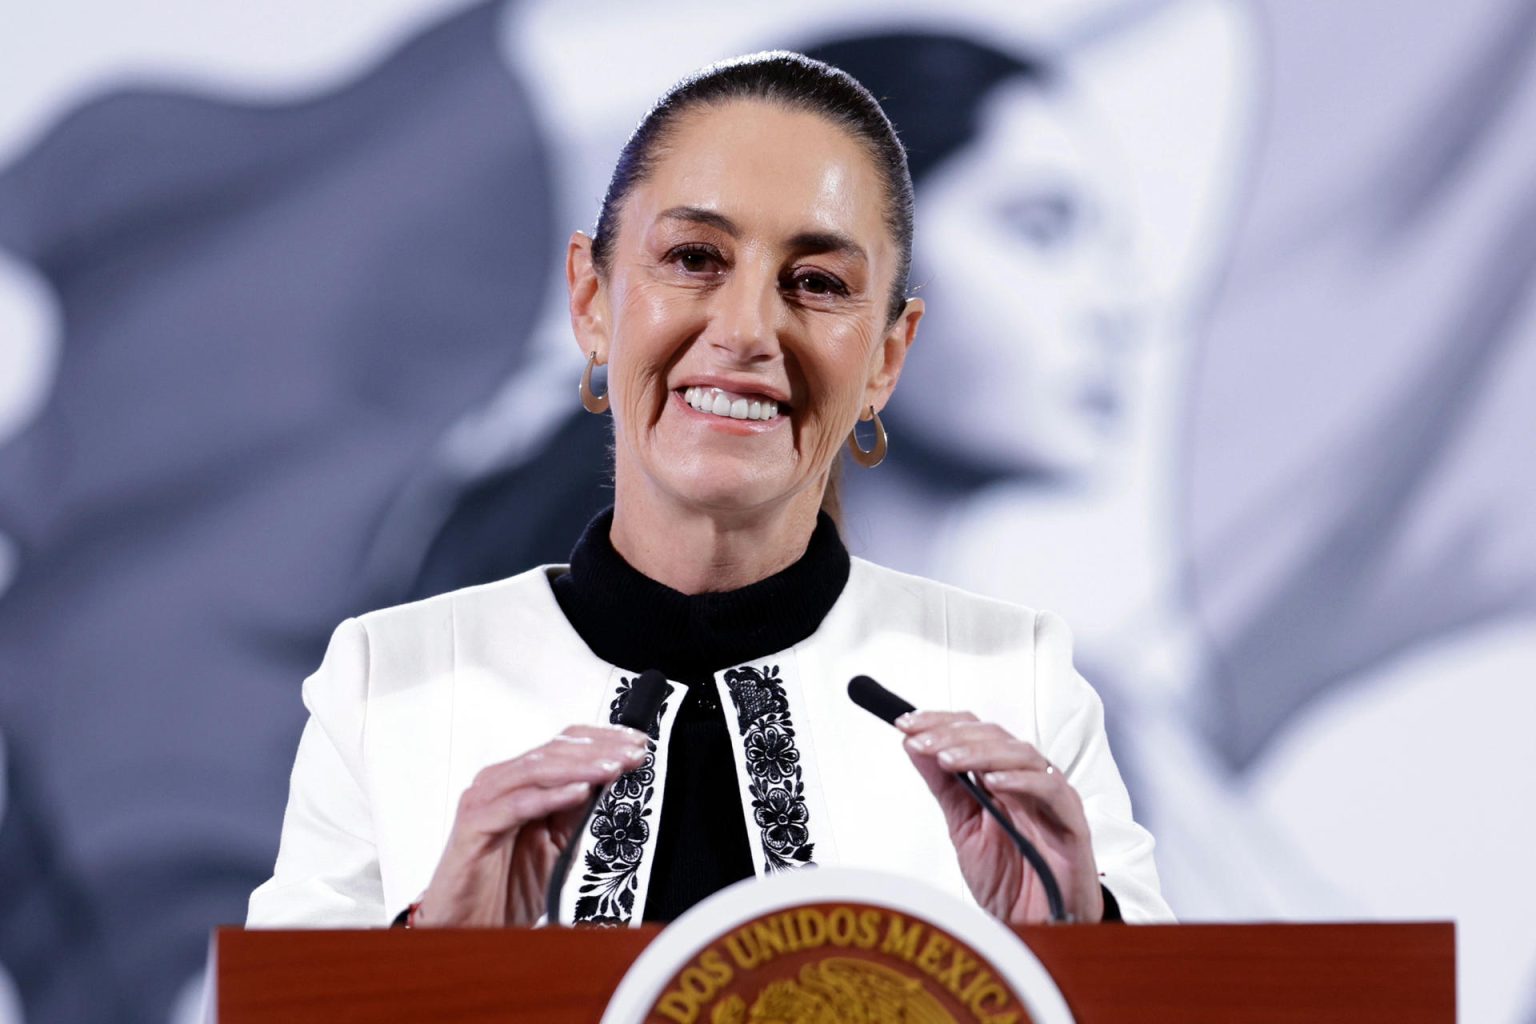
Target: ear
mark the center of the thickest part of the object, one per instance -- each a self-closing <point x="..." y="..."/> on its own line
<point x="891" y="356"/>
<point x="588" y="298"/>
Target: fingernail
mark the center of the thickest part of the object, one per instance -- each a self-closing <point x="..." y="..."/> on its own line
<point x="992" y="778"/>
<point x="904" y="721"/>
<point x="947" y="757"/>
<point x="609" y="766"/>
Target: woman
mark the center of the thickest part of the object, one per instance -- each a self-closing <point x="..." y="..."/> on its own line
<point x="746" y="288"/>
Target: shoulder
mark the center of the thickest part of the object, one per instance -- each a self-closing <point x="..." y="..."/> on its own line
<point x="882" y="598"/>
<point x="407" y="646"/>
<point x="944" y="647"/>
<point x="526" y="596"/>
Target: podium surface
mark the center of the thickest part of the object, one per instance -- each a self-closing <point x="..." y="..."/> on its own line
<point x="1403" y="973"/>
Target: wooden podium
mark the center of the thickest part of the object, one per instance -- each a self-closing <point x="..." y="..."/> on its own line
<point x="1402" y="973"/>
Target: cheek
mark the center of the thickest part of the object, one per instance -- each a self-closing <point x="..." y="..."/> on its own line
<point x="835" y="372"/>
<point x="656" y="332"/>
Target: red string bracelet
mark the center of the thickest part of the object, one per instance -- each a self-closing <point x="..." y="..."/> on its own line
<point x="407" y="917"/>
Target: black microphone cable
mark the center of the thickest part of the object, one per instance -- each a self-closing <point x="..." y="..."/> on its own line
<point x="639" y="710"/>
<point x="888" y="707"/>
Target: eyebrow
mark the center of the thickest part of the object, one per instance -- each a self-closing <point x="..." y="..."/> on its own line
<point x="699" y="215"/>
<point x="805" y="241"/>
<point x="828" y="242"/>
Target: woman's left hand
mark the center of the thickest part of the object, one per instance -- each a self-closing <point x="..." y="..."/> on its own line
<point x="1037" y="798"/>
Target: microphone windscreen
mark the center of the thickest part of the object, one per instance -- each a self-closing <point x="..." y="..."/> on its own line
<point x="643" y="701"/>
<point x="877" y="700"/>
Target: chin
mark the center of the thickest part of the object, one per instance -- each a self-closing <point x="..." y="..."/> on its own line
<point x="728" y="493"/>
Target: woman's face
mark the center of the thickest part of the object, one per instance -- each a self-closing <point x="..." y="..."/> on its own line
<point x="743" y="317"/>
<point x="1025" y="264"/>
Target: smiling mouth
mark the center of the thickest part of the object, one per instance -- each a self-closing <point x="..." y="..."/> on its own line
<point x="727" y="405"/>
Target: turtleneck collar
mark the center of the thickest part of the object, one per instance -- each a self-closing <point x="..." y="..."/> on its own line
<point x="630" y="620"/>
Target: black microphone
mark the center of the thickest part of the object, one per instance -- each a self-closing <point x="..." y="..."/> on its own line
<point x="643" y="701"/>
<point x="638" y="711"/>
<point x="888" y="707"/>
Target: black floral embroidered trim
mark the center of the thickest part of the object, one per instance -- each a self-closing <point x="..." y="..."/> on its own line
<point x="773" y="766"/>
<point x="620" y="826"/>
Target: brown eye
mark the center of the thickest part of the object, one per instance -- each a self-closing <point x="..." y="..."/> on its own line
<point x="818" y="284"/>
<point x="695" y="259"/>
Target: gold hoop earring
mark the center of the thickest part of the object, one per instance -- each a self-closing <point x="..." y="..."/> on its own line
<point x="589" y="401"/>
<point x="874" y="456"/>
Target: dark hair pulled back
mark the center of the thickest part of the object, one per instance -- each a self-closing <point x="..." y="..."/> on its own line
<point x="798" y="83"/>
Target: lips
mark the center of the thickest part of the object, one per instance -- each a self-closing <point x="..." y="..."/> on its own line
<point x="729" y="404"/>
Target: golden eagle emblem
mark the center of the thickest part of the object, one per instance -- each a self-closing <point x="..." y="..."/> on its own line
<point x="837" y="990"/>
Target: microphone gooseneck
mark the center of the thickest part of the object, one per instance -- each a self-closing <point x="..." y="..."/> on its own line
<point x="888" y="707"/>
<point x="639" y="710"/>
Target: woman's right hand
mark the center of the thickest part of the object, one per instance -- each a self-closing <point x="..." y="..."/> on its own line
<point x="512" y="823"/>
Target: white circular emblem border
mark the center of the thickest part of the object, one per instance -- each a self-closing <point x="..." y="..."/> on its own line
<point x="753" y="898"/>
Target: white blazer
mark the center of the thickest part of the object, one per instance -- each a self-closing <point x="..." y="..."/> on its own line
<point x="410" y="702"/>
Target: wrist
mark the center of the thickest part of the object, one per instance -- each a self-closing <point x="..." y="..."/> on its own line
<point x="407" y="918"/>
<point x="464" y="893"/>
<point x="431" y="913"/>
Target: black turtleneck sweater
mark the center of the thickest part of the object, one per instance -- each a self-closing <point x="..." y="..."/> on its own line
<point x="634" y="622"/>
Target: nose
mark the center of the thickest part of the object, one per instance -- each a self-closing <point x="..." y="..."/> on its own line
<point x="745" y="321"/>
<point x="1119" y="301"/>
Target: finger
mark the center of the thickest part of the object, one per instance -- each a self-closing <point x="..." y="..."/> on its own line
<point x="921" y="721"/>
<point x="959" y="733"/>
<point x="623" y="745"/>
<point x="564" y="759"/>
<point x="482" y="825"/>
<point x="949" y="732"/>
<point x="533" y="804"/>
<point x="923" y="747"/>
<point x="544" y="769"/>
<point x="595" y="741"/>
<point x="991" y="755"/>
<point x="603" y="732"/>
<point x="955" y="803"/>
<point x="1032" y="791"/>
<point x="564" y="824"/>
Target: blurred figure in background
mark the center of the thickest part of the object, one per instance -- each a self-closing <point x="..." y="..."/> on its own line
<point x="1023" y="224"/>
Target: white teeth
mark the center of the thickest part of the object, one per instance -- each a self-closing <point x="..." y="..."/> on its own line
<point x="720" y="403"/>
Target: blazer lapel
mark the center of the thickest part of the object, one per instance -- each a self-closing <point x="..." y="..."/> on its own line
<point x="776" y="765"/>
<point x="611" y="876"/>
